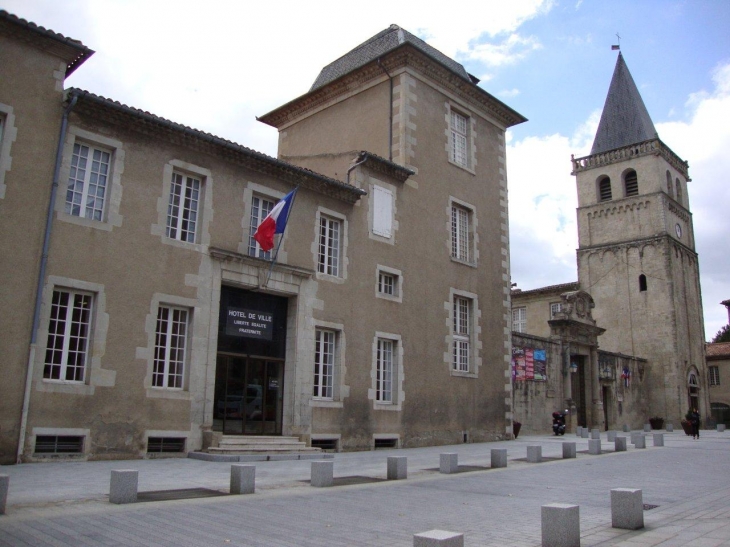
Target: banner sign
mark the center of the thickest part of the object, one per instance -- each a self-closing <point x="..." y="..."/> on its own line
<point x="529" y="364"/>
<point x="249" y="324"/>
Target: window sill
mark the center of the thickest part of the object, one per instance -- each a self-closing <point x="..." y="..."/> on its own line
<point x="379" y="405"/>
<point x="331" y="278"/>
<point x="464" y="262"/>
<point x="461" y="374"/>
<point x="391" y="297"/>
<point x="63" y="386"/>
<point x="85" y="222"/>
<point x="166" y="393"/>
<point x="324" y="403"/>
<point x="462" y="167"/>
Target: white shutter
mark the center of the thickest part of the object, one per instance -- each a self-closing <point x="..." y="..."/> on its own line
<point x="382" y="211"/>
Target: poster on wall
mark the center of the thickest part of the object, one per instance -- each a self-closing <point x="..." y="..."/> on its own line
<point x="529" y="364"/>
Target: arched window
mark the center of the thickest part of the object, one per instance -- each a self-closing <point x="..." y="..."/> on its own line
<point x="642" y="283"/>
<point x="631" y="183"/>
<point x="604" y="189"/>
<point x="678" y="186"/>
<point x="670" y="188"/>
<point x="693" y="390"/>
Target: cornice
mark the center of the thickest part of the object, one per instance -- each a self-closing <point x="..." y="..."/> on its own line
<point x="405" y="56"/>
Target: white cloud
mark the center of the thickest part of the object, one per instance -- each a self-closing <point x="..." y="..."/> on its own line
<point x="506" y="93"/>
<point x="507" y="52"/>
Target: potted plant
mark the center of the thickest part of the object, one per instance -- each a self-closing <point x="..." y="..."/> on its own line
<point x="656" y="422"/>
<point x="686" y="425"/>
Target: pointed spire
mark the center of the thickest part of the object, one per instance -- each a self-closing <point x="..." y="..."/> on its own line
<point x="625" y="120"/>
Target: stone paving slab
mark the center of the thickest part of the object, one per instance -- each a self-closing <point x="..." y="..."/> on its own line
<point x="64" y="504"/>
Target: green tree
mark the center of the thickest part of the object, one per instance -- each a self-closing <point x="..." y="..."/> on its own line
<point x="723" y="335"/>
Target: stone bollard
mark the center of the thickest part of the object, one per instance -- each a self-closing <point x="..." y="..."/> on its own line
<point x="534" y="454"/>
<point x="626" y="428"/>
<point x="595" y="433"/>
<point x="568" y="450"/>
<point x="4" y="487"/>
<point x="611" y="436"/>
<point x="620" y="444"/>
<point x="499" y="457"/>
<point x="322" y="474"/>
<point x="243" y="479"/>
<point x="594" y="447"/>
<point x="640" y="441"/>
<point x="669" y="428"/>
<point x="397" y="468"/>
<point x="438" y="538"/>
<point x="123" y="486"/>
<point x="584" y="433"/>
<point x="627" y="508"/>
<point x="647" y="428"/>
<point x="721" y="427"/>
<point x="634" y="436"/>
<point x="560" y="525"/>
<point x="658" y="439"/>
<point x="449" y="462"/>
<point x="578" y="431"/>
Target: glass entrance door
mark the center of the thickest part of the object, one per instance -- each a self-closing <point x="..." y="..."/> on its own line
<point x="248" y="395"/>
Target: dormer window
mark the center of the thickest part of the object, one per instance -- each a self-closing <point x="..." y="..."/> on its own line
<point x="631" y="183"/>
<point x="604" y="189"/>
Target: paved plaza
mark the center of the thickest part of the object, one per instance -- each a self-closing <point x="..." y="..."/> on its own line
<point x="67" y="503"/>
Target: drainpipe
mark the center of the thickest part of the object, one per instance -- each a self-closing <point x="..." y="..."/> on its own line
<point x="42" y="275"/>
<point x="363" y="158"/>
<point x="390" y="118"/>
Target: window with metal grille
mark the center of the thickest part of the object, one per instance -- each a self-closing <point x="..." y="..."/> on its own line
<point x="165" y="444"/>
<point x="714" y="373"/>
<point x="69" y="330"/>
<point x="260" y="209"/>
<point x="170" y="347"/>
<point x="604" y="189"/>
<point x="59" y="444"/>
<point x="459" y="139"/>
<point x="631" y="183"/>
<point x="183" y="207"/>
<point x="87" y="182"/>
<point x="461" y="334"/>
<point x="386" y="443"/>
<point x="324" y="363"/>
<point x="384" y="371"/>
<point x="460" y="233"/>
<point x="328" y="258"/>
<point x="519" y="319"/>
<point x="325" y="444"/>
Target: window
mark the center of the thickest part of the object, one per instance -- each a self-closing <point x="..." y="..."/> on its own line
<point x="678" y="187"/>
<point x="324" y="363"/>
<point x="386" y="283"/>
<point x="555" y="308"/>
<point x="87" y="182"/>
<point x="631" y="183"/>
<point x="670" y="189"/>
<point x="384" y="371"/>
<point x="382" y="211"/>
<point x="8" y="134"/>
<point x="68" y="336"/>
<point x="59" y="444"/>
<point x="459" y="139"/>
<point x="714" y="373"/>
<point x="460" y="231"/>
<point x="170" y="347"/>
<point x="260" y="208"/>
<point x="604" y="189"/>
<point x="328" y="257"/>
<point x="183" y="207"/>
<point x="165" y="444"/>
<point x="462" y="333"/>
<point x="642" y="283"/>
<point x="519" y="319"/>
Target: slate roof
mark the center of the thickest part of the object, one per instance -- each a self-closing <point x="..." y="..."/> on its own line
<point x="624" y="120"/>
<point x="562" y="287"/>
<point x="386" y="40"/>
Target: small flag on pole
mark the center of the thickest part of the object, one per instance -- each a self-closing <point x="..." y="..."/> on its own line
<point x="614" y="47"/>
<point x="275" y="222"/>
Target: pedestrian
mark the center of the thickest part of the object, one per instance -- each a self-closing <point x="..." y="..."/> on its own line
<point x="694" y="421"/>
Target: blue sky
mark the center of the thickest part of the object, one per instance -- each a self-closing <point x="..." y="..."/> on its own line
<point x="216" y="65"/>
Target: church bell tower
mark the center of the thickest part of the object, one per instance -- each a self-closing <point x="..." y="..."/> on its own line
<point x="636" y="251"/>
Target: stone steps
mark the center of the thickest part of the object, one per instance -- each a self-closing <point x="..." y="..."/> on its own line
<point x="234" y="444"/>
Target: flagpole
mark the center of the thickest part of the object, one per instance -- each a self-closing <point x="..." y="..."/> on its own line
<point x="281" y="237"/>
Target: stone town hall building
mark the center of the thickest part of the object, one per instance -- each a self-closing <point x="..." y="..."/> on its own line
<point x="144" y="315"/>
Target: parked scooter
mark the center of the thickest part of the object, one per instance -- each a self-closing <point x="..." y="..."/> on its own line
<point x="559" y="422"/>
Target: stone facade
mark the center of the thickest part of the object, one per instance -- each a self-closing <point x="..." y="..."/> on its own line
<point x="161" y="326"/>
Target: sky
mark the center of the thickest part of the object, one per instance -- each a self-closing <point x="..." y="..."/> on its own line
<point x="216" y="65"/>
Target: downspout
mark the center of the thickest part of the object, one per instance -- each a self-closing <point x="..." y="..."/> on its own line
<point x="42" y="276"/>
<point x="363" y="158"/>
<point x="390" y="118"/>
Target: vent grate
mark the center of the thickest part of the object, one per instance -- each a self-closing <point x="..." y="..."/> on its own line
<point x="386" y="443"/>
<point x="59" y="444"/>
<point x="165" y="444"/>
<point x="325" y="444"/>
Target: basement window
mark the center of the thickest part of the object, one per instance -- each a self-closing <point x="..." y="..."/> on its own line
<point x="59" y="444"/>
<point x="325" y="444"/>
<point x="165" y="444"/>
<point x="386" y="443"/>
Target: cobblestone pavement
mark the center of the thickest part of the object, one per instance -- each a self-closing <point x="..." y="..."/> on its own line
<point x="60" y="504"/>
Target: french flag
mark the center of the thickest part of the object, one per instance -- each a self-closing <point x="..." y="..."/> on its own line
<point x="275" y="222"/>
